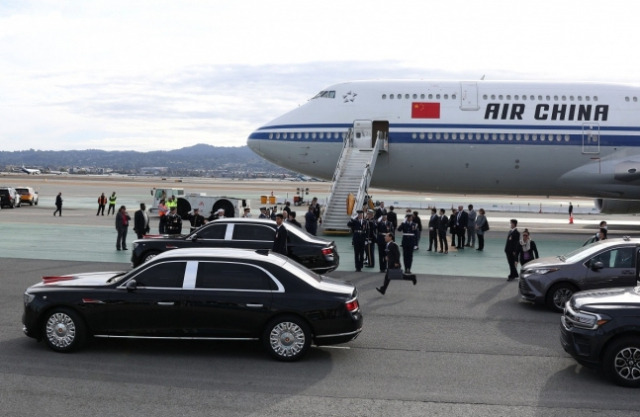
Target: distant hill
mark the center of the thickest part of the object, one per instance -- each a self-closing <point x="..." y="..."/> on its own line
<point x="199" y="157"/>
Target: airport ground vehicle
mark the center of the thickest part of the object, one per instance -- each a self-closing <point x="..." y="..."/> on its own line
<point x="28" y="195"/>
<point x="233" y="207"/>
<point x="603" y="264"/>
<point x="216" y="294"/>
<point x="601" y="329"/>
<point x="9" y="197"/>
<point x="315" y="253"/>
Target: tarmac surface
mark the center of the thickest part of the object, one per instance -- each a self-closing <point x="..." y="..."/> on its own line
<point x="80" y="235"/>
<point x="459" y="343"/>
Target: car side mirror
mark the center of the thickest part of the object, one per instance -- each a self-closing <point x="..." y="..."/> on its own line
<point x="194" y="237"/>
<point x="596" y="266"/>
<point x="132" y="285"/>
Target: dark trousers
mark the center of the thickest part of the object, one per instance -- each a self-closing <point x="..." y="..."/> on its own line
<point x="433" y="239"/>
<point x="407" y="251"/>
<point x="370" y="251"/>
<point x="511" y="259"/>
<point x="100" y="209"/>
<point x="480" y="242"/>
<point x="461" y="232"/>
<point x="58" y="210"/>
<point x="387" y="280"/>
<point x="121" y="240"/>
<point x="358" y="253"/>
<point x="442" y="236"/>
<point x="112" y="209"/>
<point x="162" y="224"/>
<point x="382" y="254"/>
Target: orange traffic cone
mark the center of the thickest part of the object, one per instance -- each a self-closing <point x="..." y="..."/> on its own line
<point x="571" y="219"/>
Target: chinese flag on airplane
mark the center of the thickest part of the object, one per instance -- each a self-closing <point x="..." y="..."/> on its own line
<point x="425" y="110"/>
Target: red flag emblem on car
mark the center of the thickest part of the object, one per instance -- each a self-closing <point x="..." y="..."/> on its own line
<point x="425" y="110"/>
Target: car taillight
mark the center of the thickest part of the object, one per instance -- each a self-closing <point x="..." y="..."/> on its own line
<point x="327" y="251"/>
<point x="352" y="305"/>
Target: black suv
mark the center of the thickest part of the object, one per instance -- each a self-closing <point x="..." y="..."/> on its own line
<point x="317" y="254"/>
<point x="601" y="329"/>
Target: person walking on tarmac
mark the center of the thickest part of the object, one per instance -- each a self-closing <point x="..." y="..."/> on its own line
<point x="112" y="204"/>
<point x="102" y="202"/>
<point x="393" y="262"/>
<point x="360" y="228"/>
<point x="408" y="229"/>
<point x="58" y="205"/>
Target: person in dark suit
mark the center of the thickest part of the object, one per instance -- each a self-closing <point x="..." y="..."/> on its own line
<point x="280" y="240"/>
<point x="370" y="243"/>
<point x="452" y="226"/>
<point x="462" y="222"/>
<point x="393" y="262"/>
<point x="141" y="221"/>
<point x="360" y="229"/>
<point x="443" y="224"/>
<point x="383" y="227"/>
<point x="511" y="249"/>
<point x="433" y="230"/>
<point x="392" y="217"/>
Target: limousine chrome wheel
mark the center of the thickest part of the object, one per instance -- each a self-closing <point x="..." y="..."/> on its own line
<point x="63" y="330"/>
<point x="287" y="338"/>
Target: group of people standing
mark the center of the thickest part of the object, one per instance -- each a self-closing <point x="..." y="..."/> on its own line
<point x="464" y="226"/>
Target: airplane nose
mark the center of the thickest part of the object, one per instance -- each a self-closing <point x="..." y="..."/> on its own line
<point x="253" y="144"/>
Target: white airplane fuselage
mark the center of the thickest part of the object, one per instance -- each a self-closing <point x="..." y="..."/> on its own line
<point x="490" y="137"/>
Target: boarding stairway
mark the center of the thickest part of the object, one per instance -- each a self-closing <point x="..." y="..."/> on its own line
<point x="352" y="175"/>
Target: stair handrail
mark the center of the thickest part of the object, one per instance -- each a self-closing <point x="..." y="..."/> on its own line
<point x="367" y="174"/>
<point x="347" y="143"/>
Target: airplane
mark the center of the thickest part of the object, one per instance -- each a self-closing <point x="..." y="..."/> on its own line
<point x="472" y="137"/>
<point x="30" y="171"/>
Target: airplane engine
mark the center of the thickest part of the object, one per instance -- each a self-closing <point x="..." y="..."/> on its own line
<point x="609" y="206"/>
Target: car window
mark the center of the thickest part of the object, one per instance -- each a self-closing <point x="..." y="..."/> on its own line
<point x="162" y="275"/>
<point x="215" y="231"/>
<point x="253" y="232"/>
<point x="228" y="276"/>
<point x="615" y="258"/>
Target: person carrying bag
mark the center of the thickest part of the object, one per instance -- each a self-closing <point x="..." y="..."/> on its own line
<point x="393" y="265"/>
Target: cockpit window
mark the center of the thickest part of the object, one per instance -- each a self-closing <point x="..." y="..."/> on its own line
<point x="325" y="94"/>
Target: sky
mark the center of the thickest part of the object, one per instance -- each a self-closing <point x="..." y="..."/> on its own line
<point x="149" y="75"/>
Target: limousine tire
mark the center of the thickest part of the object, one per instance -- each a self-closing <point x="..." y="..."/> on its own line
<point x="287" y="338"/>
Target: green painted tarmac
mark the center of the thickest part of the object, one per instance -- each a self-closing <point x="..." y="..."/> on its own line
<point x="96" y="243"/>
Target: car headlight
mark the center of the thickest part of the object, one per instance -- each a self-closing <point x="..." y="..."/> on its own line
<point x="585" y="320"/>
<point x="28" y="298"/>
<point x="539" y="271"/>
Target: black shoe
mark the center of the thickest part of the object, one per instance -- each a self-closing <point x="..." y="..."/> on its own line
<point x="125" y="249"/>
<point x="380" y="291"/>
<point x="117" y="248"/>
<point x="510" y="278"/>
<point x="415" y="281"/>
<point x="358" y="270"/>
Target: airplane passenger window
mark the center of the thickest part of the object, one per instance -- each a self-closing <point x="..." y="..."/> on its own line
<point x="446" y="96"/>
<point x="277" y="135"/>
<point x="484" y="97"/>
<point x="306" y="135"/>
<point x="384" y="96"/>
<point x="430" y="136"/>
<point x="548" y="98"/>
<point x="555" y="98"/>
<point x="422" y="96"/>
<point x="626" y="99"/>
<point x="508" y="96"/>
<point x="453" y="96"/>
<point x="438" y="136"/>
<point x="414" y="136"/>
<point x="494" y="137"/>
<point x="517" y="97"/>
<point x="284" y="136"/>
<point x="313" y="135"/>
<point x="391" y="96"/>
<point x="571" y="98"/>
<point x="493" y="96"/>
<point x="567" y="138"/>
<point x="564" y="98"/>
<point x="270" y="135"/>
<point x="534" y="138"/>
<point x="587" y="98"/>
<point x="510" y="137"/>
<point x="635" y="99"/>
<point x="532" y="97"/>
<point x="438" y="96"/>
<point x="526" y="137"/>
<point x="406" y="96"/>
<point x="415" y="96"/>
<point x="518" y="137"/>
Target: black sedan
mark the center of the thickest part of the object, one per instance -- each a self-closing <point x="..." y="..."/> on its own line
<point x="317" y="254"/>
<point x="216" y="294"/>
